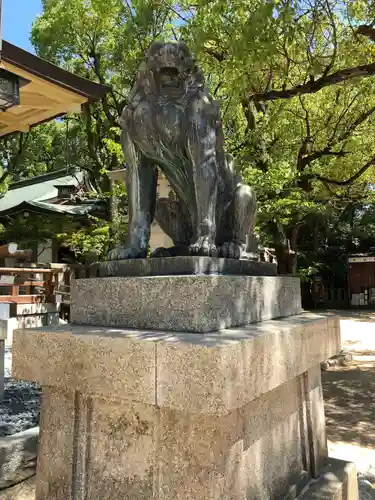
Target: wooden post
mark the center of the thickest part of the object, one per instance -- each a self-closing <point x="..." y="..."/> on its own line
<point x="49" y="285"/>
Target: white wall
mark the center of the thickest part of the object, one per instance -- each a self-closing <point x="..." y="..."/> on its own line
<point x="158" y="237"/>
<point x="45" y="253"/>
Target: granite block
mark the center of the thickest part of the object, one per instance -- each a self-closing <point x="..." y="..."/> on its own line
<point x="95" y="449"/>
<point x="338" y="481"/>
<point x="217" y="373"/>
<point x="201" y="373"/>
<point x="123" y="441"/>
<point x="116" y="450"/>
<point x="56" y="445"/>
<point x="90" y="360"/>
<point x="166" y="266"/>
<point x="315" y="419"/>
<point x="202" y="456"/>
<point x="18" y="454"/>
<point x="139" y="414"/>
<point x="183" y="303"/>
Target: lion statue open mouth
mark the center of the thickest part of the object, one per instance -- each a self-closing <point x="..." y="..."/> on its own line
<point x="171" y="122"/>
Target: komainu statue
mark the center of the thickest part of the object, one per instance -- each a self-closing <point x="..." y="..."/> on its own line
<point x="172" y="123"/>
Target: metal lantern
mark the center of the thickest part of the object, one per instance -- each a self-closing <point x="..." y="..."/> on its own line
<point x="9" y="90"/>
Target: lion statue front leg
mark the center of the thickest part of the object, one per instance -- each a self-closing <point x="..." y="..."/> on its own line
<point x="201" y="149"/>
<point x="235" y="233"/>
<point x="141" y="185"/>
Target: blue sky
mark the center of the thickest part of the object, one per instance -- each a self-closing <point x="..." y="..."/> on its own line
<point x="18" y="16"/>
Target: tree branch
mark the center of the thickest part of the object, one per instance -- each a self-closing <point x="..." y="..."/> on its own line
<point x="367" y="30"/>
<point x="334" y="32"/>
<point x="305" y="148"/>
<point x="313" y="86"/>
<point x="219" y="56"/>
<point x="349" y="181"/>
<point x="327" y="151"/>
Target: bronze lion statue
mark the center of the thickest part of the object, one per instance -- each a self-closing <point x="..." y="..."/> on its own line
<point x="171" y="122"/>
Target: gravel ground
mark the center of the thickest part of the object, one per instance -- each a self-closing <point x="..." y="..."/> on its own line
<point x="8" y="361"/>
<point x="19" y="409"/>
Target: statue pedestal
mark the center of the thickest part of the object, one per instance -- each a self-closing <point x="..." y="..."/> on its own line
<point x="138" y="414"/>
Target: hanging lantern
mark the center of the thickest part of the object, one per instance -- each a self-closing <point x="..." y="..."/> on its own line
<point x="9" y="90"/>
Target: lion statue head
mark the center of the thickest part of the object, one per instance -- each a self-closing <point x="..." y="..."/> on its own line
<point x="168" y="66"/>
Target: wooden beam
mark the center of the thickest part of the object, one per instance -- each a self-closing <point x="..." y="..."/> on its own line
<point x="8" y="250"/>
<point x="8" y="119"/>
<point x="22" y="254"/>
<point x="23" y="125"/>
<point x="45" y="114"/>
<point x="38" y="270"/>
<point x="6" y="130"/>
<point x="50" y="89"/>
<point x="21" y="283"/>
<point x="67" y="107"/>
<point x="74" y="107"/>
<point x="22" y="299"/>
<point x="35" y="100"/>
<point x="11" y="250"/>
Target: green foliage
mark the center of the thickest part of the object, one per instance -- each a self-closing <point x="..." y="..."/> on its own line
<point x="304" y="142"/>
<point x="33" y="229"/>
<point x="94" y="240"/>
<point x="84" y="241"/>
<point x="41" y="150"/>
<point x="298" y="123"/>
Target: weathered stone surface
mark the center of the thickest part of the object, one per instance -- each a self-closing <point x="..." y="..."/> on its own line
<point x="214" y="373"/>
<point x="229" y="415"/>
<point x="338" y="481"/>
<point x="311" y="386"/>
<point x="183" y="303"/>
<point x="106" y="450"/>
<point x="18" y="455"/>
<point x="224" y="457"/>
<point x="221" y="371"/>
<point x="91" y="360"/>
<point x="167" y="266"/>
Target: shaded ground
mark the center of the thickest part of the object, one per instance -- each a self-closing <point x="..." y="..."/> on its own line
<point x="349" y="394"/>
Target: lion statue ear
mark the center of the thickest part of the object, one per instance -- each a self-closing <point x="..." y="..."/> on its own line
<point x="183" y="47"/>
<point x="154" y="47"/>
<point x="196" y="78"/>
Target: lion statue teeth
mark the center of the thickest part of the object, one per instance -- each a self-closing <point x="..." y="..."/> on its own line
<point x="172" y="123"/>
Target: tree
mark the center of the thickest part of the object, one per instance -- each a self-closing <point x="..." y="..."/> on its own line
<point x="295" y="81"/>
<point x="105" y="42"/>
<point x="39" y="151"/>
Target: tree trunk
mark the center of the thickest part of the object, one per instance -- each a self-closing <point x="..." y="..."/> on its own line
<point x="286" y="254"/>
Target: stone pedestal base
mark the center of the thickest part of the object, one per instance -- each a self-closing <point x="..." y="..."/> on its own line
<point x="200" y="304"/>
<point x="232" y="415"/>
<point x="337" y="481"/>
